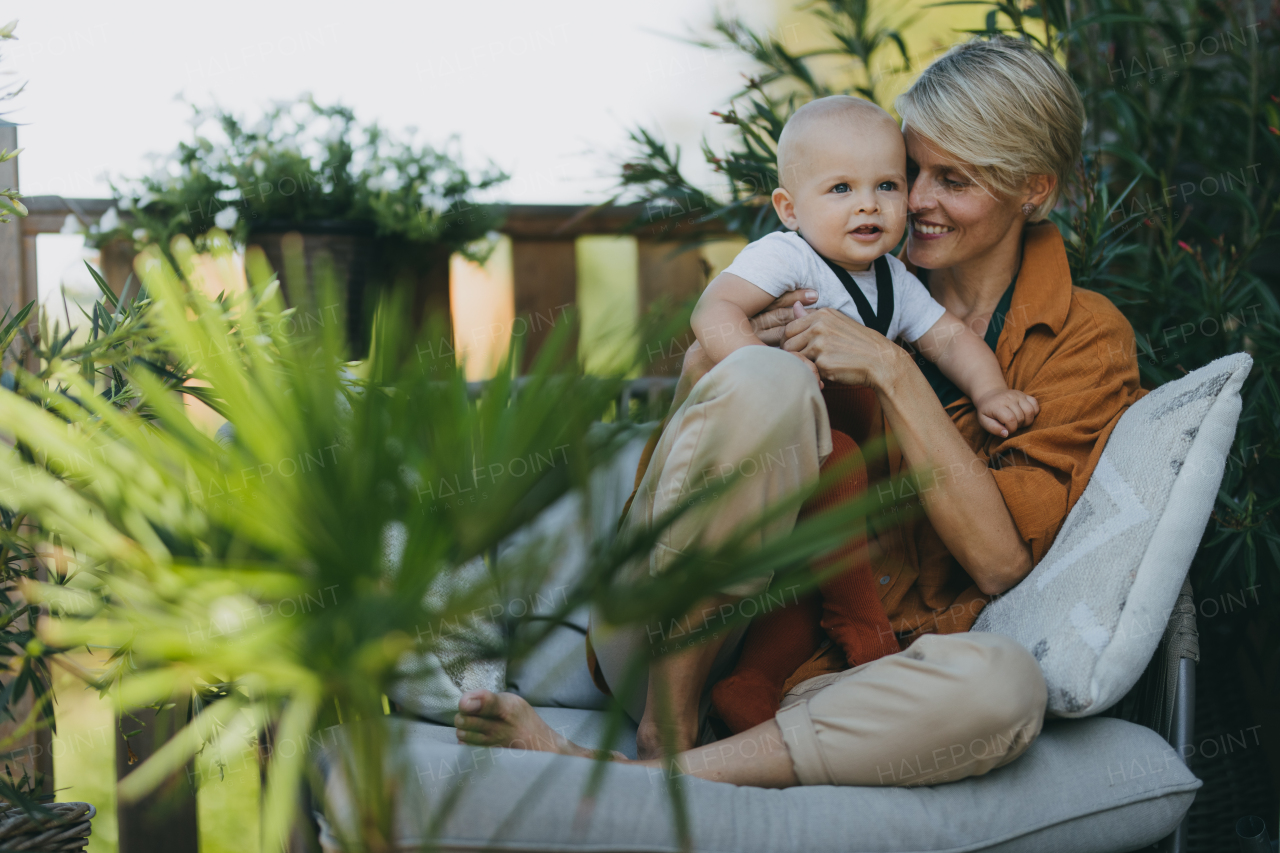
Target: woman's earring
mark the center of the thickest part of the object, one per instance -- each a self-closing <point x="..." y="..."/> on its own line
<point x="1028" y="208"/>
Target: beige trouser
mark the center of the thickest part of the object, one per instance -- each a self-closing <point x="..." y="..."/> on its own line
<point x="946" y="708"/>
<point x="755" y="423"/>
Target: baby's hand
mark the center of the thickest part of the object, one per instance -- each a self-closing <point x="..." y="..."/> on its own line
<point x="1003" y="412"/>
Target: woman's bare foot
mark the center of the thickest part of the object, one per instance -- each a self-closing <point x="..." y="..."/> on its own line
<point x="485" y="718"/>
<point x="504" y="719"/>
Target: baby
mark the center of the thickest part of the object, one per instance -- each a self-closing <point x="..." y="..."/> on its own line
<point x="842" y="167"/>
<point x="843" y="195"/>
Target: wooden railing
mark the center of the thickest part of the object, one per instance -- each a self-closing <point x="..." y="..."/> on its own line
<point x="543" y="249"/>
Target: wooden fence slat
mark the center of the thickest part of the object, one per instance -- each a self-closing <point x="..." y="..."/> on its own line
<point x="166" y="818"/>
<point x="673" y="274"/>
<point x="116" y="263"/>
<point x="545" y="276"/>
<point x="30" y="286"/>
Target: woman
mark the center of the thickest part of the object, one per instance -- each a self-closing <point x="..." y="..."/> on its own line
<point x="993" y="132"/>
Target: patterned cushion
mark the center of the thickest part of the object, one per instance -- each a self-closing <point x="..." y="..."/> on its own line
<point x="559" y="539"/>
<point x="1094" y="609"/>
<point x="433" y="679"/>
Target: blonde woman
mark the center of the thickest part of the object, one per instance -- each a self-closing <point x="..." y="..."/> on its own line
<point x="993" y="132"/>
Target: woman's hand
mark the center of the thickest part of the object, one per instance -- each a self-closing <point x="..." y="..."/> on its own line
<point x="844" y="350"/>
<point x="770" y="324"/>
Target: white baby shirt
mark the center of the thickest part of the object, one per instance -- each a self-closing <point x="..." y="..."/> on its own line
<point x="782" y="261"/>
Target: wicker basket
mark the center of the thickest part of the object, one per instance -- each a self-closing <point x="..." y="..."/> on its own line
<point x="65" y="831"/>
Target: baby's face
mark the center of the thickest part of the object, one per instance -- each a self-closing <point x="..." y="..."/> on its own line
<point x="847" y="190"/>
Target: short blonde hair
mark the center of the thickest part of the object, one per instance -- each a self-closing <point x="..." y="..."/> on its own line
<point x="1005" y="107"/>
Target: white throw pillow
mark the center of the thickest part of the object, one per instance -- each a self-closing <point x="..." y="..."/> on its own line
<point x="1094" y="609"/>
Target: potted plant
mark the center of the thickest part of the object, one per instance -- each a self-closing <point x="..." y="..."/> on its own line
<point x="386" y="210"/>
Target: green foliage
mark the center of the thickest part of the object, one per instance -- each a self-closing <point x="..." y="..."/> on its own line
<point x="24" y="659"/>
<point x="784" y="81"/>
<point x="1176" y="224"/>
<point x="283" y="576"/>
<point x="303" y="163"/>
<point x="9" y="204"/>
<point x="1173" y="217"/>
<point x="117" y="341"/>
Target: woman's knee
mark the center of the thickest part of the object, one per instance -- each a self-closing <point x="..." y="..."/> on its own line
<point x="769" y="366"/>
<point x="1004" y="688"/>
<point x="767" y="381"/>
<point x="846" y="453"/>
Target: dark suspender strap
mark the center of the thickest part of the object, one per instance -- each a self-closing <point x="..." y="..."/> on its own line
<point x="880" y="318"/>
<point x="884" y="295"/>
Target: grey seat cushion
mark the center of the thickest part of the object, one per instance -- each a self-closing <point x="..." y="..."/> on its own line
<point x="1085" y="786"/>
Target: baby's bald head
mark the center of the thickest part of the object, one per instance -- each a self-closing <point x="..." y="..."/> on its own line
<point x="813" y="126"/>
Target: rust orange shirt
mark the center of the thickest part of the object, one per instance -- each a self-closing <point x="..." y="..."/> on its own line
<point x="1074" y="352"/>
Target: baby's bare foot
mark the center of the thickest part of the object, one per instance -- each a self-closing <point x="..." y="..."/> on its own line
<point x="504" y="719"/>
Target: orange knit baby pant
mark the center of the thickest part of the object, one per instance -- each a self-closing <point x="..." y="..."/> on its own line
<point x="846" y="607"/>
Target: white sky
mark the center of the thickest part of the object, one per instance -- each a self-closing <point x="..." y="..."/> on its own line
<point x="547" y="90"/>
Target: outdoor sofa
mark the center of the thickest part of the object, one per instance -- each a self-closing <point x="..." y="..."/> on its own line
<point x="1107" y="613"/>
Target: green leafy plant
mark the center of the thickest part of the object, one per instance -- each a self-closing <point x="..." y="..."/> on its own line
<point x="9" y="204"/>
<point x="305" y="163"/>
<point x="203" y="564"/>
<point x="116" y="341"/>
<point x="1177" y="226"/>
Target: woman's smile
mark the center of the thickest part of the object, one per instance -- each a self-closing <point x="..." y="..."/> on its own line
<point x="925" y="230"/>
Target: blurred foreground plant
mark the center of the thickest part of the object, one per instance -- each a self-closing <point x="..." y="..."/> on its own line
<point x="116" y="339"/>
<point x="284" y="576"/>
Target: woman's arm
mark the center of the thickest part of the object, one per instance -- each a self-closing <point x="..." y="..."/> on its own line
<point x="960" y="494"/>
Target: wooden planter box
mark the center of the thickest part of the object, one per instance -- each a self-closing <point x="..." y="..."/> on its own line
<point x="366" y="267"/>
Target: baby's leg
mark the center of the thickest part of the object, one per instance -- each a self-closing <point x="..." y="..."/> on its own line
<point x="777" y="643"/>
<point x="852" y="614"/>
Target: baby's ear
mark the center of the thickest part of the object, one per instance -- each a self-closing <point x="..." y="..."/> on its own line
<point x="785" y="207"/>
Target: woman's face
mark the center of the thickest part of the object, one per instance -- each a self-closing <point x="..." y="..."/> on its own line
<point x="953" y="218"/>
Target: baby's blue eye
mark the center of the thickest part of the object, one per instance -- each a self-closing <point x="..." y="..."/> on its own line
<point x="888" y="186"/>
<point x="840" y="188"/>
